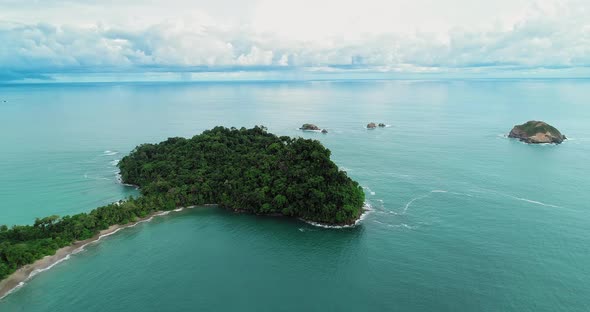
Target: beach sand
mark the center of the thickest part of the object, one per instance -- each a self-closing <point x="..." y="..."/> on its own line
<point x="16" y="279"/>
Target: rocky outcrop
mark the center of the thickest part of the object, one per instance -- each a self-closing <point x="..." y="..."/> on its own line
<point x="309" y="127"/>
<point x="324" y="131"/>
<point x="381" y="125"/>
<point x="537" y="132"/>
<point x="371" y="125"/>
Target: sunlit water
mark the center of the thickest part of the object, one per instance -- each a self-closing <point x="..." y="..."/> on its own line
<point x="463" y="219"/>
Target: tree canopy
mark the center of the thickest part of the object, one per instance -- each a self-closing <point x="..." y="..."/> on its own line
<point x="248" y="170"/>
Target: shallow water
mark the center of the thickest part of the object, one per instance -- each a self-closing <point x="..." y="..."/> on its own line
<point x="462" y="217"/>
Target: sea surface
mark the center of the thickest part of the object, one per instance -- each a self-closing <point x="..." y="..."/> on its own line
<point x="462" y="218"/>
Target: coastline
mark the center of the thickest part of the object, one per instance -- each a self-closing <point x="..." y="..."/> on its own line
<point x="20" y="276"/>
<point x="366" y="210"/>
<point x="17" y="279"/>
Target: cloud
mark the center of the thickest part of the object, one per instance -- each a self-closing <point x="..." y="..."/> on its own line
<point x="548" y="35"/>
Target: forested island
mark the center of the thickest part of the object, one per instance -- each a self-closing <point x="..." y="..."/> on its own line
<point x="246" y="170"/>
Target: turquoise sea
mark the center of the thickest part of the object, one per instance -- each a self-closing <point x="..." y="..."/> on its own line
<point x="463" y="219"/>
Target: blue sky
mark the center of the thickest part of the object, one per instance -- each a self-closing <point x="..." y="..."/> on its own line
<point x="270" y="39"/>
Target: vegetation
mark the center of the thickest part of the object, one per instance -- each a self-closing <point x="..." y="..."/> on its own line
<point x="533" y="127"/>
<point x="247" y="170"/>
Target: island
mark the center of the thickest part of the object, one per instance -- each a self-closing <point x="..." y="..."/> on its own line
<point x="310" y="127"/>
<point x="244" y="170"/>
<point x="537" y="132"/>
<point x="371" y="125"/>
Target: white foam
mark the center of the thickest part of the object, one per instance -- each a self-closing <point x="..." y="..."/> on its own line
<point x="420" y="197"/>
<point x="369" y="190"/>
<point x="179" y="209"/>
<point x="461" y="194"/>
<point x="412" y="201"/>
<point x="110" y="153"/>
<point x="120" y="181"/>
<point x="37" y="271"/>
<point x="316" y="131"/>
<point x="114" y="162"/>
<point x="483" y="190"/>
<point x="17" y="287"/>
<point x="535" y="202"/>
<point x="402" y="225"/>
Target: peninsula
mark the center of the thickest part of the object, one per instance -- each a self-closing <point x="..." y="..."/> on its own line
<point x="246" y="170"/>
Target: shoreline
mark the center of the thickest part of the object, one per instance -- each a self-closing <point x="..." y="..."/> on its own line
<point x="366" y="210"/>
<point x="17" y="279"/>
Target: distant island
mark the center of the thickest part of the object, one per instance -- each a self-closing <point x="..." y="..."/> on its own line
<point x="312" y="127"/>
<point x="373" y="125"/>
<point x="536" y="132"/>
<point x="246" y="170"/>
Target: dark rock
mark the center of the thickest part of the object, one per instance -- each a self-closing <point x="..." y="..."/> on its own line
<point x="381" y="125"/>
<point x="324" y="131"/>
<point x="371" y="125"/>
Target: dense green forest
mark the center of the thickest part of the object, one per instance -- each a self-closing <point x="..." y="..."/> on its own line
<point x="247" y="170"/>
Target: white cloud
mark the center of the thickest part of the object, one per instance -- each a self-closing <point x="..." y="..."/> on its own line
<point x="401" y="35"/>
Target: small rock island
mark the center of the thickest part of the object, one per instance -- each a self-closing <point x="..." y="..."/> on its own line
<point x="373" y="125"/>
<point x="537" y="132"/>
<point x="310" y="127"/>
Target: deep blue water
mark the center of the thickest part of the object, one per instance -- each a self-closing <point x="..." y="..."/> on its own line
<point x="463" y="219"/>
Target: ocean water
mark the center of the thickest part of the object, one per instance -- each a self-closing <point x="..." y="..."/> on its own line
<point x="462" y="219"/>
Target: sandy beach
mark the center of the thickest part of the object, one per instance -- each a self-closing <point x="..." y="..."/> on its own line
<point x="17" y="278"/>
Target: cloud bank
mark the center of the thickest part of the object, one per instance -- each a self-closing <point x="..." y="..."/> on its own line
<point x="545" y="35"/>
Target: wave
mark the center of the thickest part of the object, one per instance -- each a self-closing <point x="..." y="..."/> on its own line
<point x="316" y="131"/>
<point x="369" y="190"/>
<point x="408" y="204"/>
<point x="401" y="225"/>
<point x="536" y="202"/>
<point x="120" y="180"/>
<point x="114" y="162"/>
<point x="15" y="288"/>
<point x="109" y="153"/>
<point x="531" y="201"/>
<point x="37" y="271"/>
